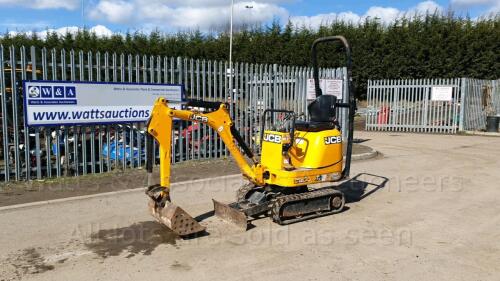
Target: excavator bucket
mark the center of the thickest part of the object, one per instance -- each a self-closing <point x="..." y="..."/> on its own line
<point x="175" y="218"/>
<point x="230" y="213"/>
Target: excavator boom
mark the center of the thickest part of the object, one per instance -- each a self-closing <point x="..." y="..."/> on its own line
<point x="216" y="116"/>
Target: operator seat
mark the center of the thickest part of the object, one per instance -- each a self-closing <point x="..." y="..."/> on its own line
<point x="322" y="113"/>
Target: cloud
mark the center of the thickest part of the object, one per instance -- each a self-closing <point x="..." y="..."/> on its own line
<point x="189" y="14"/>
<point x="385" y="15"/>
<point x="171" y="15"/>
<point x="426" y="7"/>
<point x="324" y="19"/>
<point x="9" y="24"/>
<point x="471" y="3"/>
<point x="494" y="10"/>
<point x="43" y="4"/>
<point x="99" y="30"/>
<point x="492" y="6"/>
<point x="113" y="11"/>
<point x="212" y="3"/>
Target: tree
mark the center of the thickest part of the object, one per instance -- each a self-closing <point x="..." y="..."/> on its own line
<point x="430" y="46"/>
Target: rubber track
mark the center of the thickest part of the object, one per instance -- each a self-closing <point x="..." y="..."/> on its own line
<point x="281" y="201"/>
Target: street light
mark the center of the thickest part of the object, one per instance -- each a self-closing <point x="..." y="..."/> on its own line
<point x="231" y="47"/>
<point x="83" y="14"/>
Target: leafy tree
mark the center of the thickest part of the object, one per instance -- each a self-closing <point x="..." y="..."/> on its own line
<point x="414" y="46"/>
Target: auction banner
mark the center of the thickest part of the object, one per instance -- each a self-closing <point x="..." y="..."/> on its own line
<point x="80" y="103"/>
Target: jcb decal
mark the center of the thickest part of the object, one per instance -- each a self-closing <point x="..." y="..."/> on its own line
<point x="199" y="118"/>
<point x="272" y="138"/>
<point x="333" y="140"/>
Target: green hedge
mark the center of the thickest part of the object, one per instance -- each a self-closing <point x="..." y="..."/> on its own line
<point x="434" y="46"/>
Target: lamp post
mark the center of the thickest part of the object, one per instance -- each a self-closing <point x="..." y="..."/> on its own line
<point x="231" y="48"/>
<point x="231" y="52"/>
<point x="83" y="14"/>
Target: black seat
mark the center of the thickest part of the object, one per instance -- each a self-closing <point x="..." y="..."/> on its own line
<point x="322" y="109"/>
<point x="322" y="113"/>
<point x="312" y="126"/>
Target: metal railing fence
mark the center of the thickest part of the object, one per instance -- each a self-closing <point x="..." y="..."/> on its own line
<point x="407" y="106"/>
<point x="40" y="152"/>
<point x="474" y="115"/>
<point x="496" y="95"/>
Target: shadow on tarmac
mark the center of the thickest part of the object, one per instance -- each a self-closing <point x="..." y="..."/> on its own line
<point x="361" y="186"/>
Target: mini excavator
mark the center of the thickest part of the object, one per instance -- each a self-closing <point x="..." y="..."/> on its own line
<point x="292" y="158"/>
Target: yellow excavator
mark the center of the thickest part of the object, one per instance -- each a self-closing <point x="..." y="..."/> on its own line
<point x="293" y="156"/>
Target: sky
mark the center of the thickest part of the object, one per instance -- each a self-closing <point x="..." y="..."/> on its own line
<point x="106" y="17"/>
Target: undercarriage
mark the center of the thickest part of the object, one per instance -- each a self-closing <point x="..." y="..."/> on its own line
<point x="282" y="205"/>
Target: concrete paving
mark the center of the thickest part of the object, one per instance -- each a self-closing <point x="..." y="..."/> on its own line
<point x="427" y="210"/>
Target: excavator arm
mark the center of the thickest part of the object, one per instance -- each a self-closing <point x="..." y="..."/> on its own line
<point x="160" y="127"/>
<point x="216" y="116"/>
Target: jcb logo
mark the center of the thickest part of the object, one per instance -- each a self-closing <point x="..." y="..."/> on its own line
<point x="272" y="138"/>
<point x="199" y="118"/>
<point x="333" y="140"/>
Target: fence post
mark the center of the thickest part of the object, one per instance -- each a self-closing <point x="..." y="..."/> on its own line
<point x="5" y="136"/>
<point x="15" y="112"/>
<point x="345" y="99"/>
<point x="496" y="95"/>
<point x="37" y="129"/>
<point x="180" y="139"/>
<point x="426" y="104"/>
<point x="274" y="96"/>
<point x="463" y="99"/>
<point x="368" y="103"/>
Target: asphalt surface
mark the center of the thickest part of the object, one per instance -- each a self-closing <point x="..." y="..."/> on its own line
<point x="427" y="210"/>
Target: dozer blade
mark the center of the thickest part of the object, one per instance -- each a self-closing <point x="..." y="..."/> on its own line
<point x="231" y="214"/>
<point x="175" y="218"/>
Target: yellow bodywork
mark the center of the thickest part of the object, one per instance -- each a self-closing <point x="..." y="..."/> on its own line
<point x="314" y="156"/>
<point x="314" y="150"/>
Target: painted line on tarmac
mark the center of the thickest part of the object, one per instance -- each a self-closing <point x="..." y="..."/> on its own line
<point x="83" y="197"/>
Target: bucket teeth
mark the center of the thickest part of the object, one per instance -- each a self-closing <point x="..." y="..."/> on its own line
<point x="175" y="218"/>
<point x="231" y="214"/>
